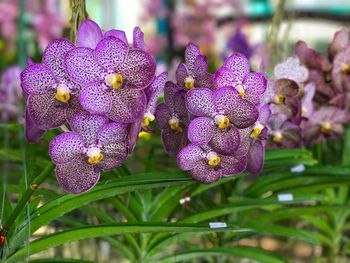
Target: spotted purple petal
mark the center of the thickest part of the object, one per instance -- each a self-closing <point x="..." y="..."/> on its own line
<point x="54" y="56"/>
<point x="87" y="125"/>
<point x="138" y="69"/>
<point x="95" y="98"/>
<point x="239" y="64"/>
<point x="200" y="67"/>
<point x="82" y="67"/>
<point x="232" y="165"/>
<point x="191" y="53"/>
<point x="189" y="157"/>
<point x="255" y="84"/>
<point x="156" y="88"/>
<point x="111" y="52"/>
<point x="138" y="39"/>
<point x="37" y="79"/>
<point x="112" y="133"/>
<point x="173" y="141"/>
<point x="162" y="115"/>
<point x="201" y="130"/>
<point x="224" y="77"/>
<point x="127" y="105"/>
<point x="225" y="141"/>
<point x="66" y="147"/>
<point x="89" y="34"/>
<point x="45" y="111"/>
<point x="32" y="132"/>
<point x="200" y="102"/>
<point x="77" y="176"/>
<point x="181" y="74"/>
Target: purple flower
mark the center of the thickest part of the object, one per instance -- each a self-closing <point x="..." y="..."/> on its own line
<point x="113" y="77"/>
<point x="49" y="91"/>
<point x="152" y="94"/>
<point x="325" y="123"/>
<point x="307" y="105"/>
<point x="10" y="92"/>
<point x="238" y="42"/>
<point x="194" y="72"/>
<point x="253" y="139"/>
<point x="235" y="73"/>
<point x="92" y="145"/>
<point x="283" y="133"/>
<point x="172" y="119"/>
<point x="224" y="107"/>
<point x="207" y="166"/>
<point x="291" y="69"/>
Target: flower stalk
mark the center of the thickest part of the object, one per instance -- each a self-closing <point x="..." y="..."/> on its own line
<point x="79" y="14"/>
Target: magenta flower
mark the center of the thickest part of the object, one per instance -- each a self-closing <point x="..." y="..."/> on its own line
<point x="207" y="166"/>
<point x="194" y="72"/>
<point x="113" y="77"/>
<point x="325" y="123"/>
<point x="92" y="145"/>
<point x="50" y="93"/>
<point x="172" y="119"/>
<point x="236" y="73"/>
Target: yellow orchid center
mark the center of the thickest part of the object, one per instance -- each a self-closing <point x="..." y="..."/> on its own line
<point x="277" y="136"/>
<point x="240" y="90"/>
<point x="114" y="80"/>
<point x="148" y="117"/>
<point x="345" y="68"/>
<point x="304" y="111"/>
<point x="94" y="155"/>
<point x="213" y="159"/>
<point x="222" y="121"/>
<point x="174" y="124"/>
<point x="257" y="130"/>
<point x="189" y="82"/>
<point x="62" y="93"/>
<point x="279" y="99"/>
<point x="326" y="127"/>
<point x="145" y="135"/>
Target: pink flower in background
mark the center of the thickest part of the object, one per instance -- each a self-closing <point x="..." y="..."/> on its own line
<point x="8" y="16"/>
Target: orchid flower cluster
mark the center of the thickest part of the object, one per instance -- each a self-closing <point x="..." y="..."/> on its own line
<point x="106" y="91"/>
<point x="308" y="95"/>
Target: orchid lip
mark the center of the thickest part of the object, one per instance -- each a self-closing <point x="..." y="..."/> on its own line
<point x="277" y="136"/>
<point x="213" y="159"/>
<point x="257" y="130"/>
<point x="240" y="89"/>
<point x="114" y="80"/>
<point x="94" y="155"/>
<point x="189" y="82"/>
<point x="326" y="127"/>
<point x="62" y="93"/>
<point x="222" y="121"/>
<point x="148" y="117"/>
<point x="174" y="124"/>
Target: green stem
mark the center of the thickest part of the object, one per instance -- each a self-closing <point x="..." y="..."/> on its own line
<point x="79" y="14"/>
<point x="27" y="194"/>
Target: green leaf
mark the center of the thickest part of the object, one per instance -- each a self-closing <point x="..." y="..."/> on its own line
<point x="254" y="253"/>
<point x="80" y="233"/>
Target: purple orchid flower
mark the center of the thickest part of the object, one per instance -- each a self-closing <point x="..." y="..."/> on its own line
<point x="283" y="133"/>
<point x="252" y="143"/>
<point x="10" y="92"/>
<point x="172" y="119"/>
<point x="307" y="105"/>
<point x="238" y="42"/>
<point x="291" y="69"/>
<point x="113" y="77"/>
<point x="224" y="101"/>
<point x="235" y="73"/>
<point x="50" y="92"/>
<point x="325" y="123"/>
<point x="152" y="94"/>
<point x="207" y="166"/>
<point x="194" y="72"/>
<point x="92" y="146"/>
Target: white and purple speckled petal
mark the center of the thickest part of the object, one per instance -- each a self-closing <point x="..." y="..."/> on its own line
<point x="66" y="147"/>
<point x="189" y="157"/>
<point x="255" y="83"/>
<point x="138" y="69"/>
<point x="200" y="102"/>
<point x="115" y="154"/>
<point x="243" y="114"/>
<point x="201" y="130"/>
<point x="204" y="173"/>
<point x="112" y="133"/>
<point x="225" y="97"/>
<point x="238" y="63"/>
<point x="191" y="53"/>
<point x="82" y="67"/>
<point x="45" y="111"/>
<point x="95" y="98"/>
<point x="264" y="114"/>
<point x="32" y="132"/>
<point x="232" y="165"/>
<point x="156" y="88"/>
<point x="224" y="77"/>
<point x="89" y="34"/>
<point x="225" y="141"/>
<point x="54" y="54"/>
<point x="111" y="52"/>
<point x="77" y="176"/>
<point x="37" y="79"/>
<point x="88" y="125"/>
<point x="138" y="39"/>
<point x="127" y="105"/>
<point x="181" y="74"/>
<point x="162" y="115"/>
<point x="200" y="67"/>
<point x="173" y="142"/>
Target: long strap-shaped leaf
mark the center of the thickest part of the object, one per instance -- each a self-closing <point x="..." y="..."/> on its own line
<point x="76" y="234"/>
